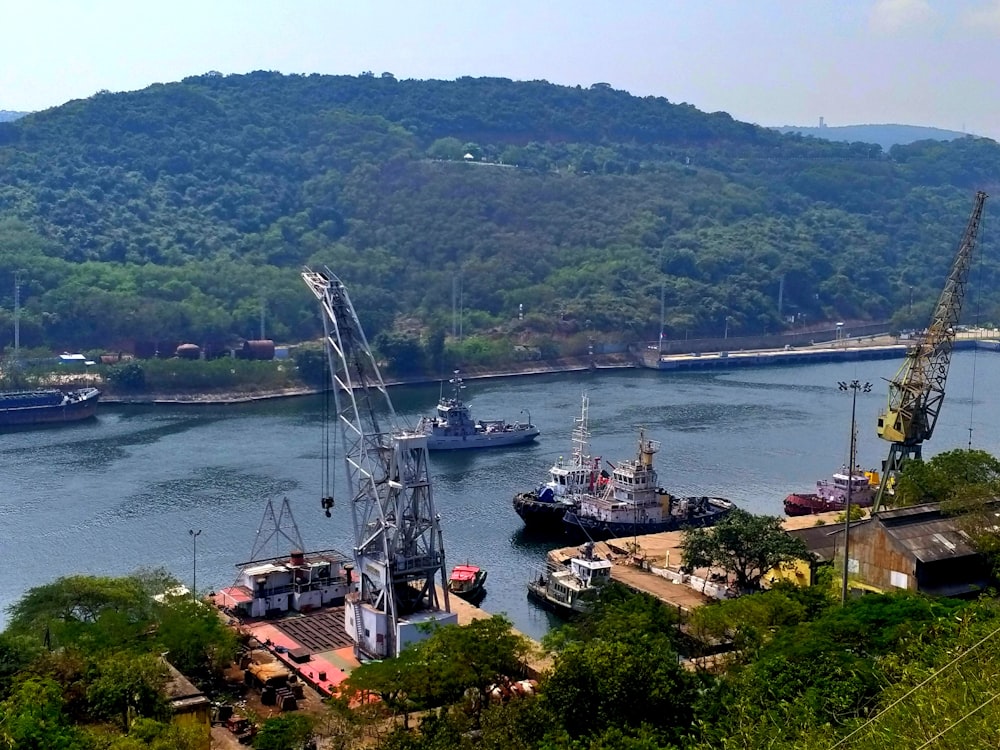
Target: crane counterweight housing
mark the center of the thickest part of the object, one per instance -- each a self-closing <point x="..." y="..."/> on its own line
<point x="916" y="392"/>
<point x="398" y="545"/>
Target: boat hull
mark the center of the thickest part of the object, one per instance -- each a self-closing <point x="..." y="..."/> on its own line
<point x="480" y="440"/>
<point x="537" y="594"/>
<point x="539" y="515"/>
<point x="805" y="504"/>
<point x="582" y="526"/>
<point x="472" y="591"/>
<point x="75" y="406"/>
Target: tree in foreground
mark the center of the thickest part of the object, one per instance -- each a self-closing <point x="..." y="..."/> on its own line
<point x="749" y="622"/>
<point x="441" y="669"/>
<point x="599" y="685"/>
<point x="953" y="475"/>
<point x="33" y="717"/>
<point x="744" y="545"/>
<point x="289" y="732"/>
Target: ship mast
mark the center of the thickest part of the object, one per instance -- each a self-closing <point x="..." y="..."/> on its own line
<point x="581" y="434"/>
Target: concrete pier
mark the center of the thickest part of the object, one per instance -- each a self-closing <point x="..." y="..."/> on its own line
<point x="650" y="564"/>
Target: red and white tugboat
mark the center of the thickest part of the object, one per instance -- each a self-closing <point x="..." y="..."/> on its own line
<point x="831" y="494"/>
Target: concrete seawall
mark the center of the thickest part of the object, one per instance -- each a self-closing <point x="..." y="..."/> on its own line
<point x="842" y="352"/>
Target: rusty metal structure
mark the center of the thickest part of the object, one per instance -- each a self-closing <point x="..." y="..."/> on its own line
<point x="398" y="548"/>
<point x="916" y="392"/>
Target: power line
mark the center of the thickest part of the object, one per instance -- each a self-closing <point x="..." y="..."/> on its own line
<point x="912" y="690"/>
<point x="949" y="728"/>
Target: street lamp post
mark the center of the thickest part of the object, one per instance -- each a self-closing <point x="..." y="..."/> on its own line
<point x="726" y="334"/>
<point x="854" y="386"/>
<point x="194" y="561"/>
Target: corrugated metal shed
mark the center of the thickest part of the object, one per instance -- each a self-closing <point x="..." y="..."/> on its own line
<point x="927" y="534"/>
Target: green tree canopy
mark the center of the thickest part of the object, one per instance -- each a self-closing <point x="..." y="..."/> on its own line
<point x="951" y="475"/>
<point x="32" y="718"/>
<point x="744" y="545"/>
<point x="179" y="212"/>
<point x="601" y="684"/>
<point x="290" y="732"/>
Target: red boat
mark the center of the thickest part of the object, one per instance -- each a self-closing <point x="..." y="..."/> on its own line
<point x="468" y="582"/>
<point x="831" y="494"/>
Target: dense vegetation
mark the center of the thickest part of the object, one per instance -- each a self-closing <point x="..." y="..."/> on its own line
<point x="81" y="667"/>
<point x="181" y="211"/>
<point x="881" y="672"/>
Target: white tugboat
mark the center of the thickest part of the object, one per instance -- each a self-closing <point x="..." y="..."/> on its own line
<point x="453" y="427"/>
<point x="543" y="509"/>
<point x="634" y="504"/>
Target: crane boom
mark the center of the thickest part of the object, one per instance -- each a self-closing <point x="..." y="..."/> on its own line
<point x="398" y="547"/>
<point x="916" y="392"/>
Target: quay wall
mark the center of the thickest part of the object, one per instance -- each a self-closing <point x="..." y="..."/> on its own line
<point x="806" y="337"/>
<point x="843" y="351"/>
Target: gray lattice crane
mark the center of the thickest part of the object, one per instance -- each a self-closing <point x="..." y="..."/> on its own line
<point x="917" y="390"/>
<point x="398" y="547"/>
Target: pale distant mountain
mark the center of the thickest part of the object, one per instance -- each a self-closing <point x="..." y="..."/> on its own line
<point x="886" y="136"/>
<point x="6" y="115"/>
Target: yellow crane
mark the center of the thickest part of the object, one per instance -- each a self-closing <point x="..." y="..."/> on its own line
<point x="917" y="390"/>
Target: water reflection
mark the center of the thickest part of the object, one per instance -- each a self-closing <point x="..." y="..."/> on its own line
<point x="123" y="491"/>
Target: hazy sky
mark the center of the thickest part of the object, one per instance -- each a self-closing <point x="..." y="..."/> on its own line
<point x="773" y="62"/>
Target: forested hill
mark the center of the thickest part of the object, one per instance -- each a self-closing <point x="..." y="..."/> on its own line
<point x="178" y="211"/>
<point x="885" y="136"/>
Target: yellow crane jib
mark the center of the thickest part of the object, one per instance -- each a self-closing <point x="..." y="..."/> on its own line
<point x="916" y="392"/>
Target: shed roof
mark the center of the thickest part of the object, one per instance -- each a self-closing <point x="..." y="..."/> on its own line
<point x="822" y="541"/>
<point x="178" y="687"/>
<point x="926" y="533"/>
<point x="932" y="540"/>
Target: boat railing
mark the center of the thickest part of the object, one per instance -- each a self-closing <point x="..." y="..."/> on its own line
<point x="269" y="591"/>
<point x="318" y="583"/>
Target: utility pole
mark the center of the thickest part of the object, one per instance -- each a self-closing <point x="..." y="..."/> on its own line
<point x="194" y="564"/>
<point x="854" y="386"/>
<point x="17" y="317"/>
<point x="663" y="291"/>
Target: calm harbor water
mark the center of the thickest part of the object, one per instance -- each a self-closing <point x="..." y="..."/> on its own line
<point x="123" y="491"/>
